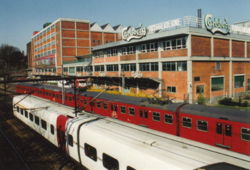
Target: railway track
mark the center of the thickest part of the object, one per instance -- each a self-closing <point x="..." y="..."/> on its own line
<point x="21" y="148"/>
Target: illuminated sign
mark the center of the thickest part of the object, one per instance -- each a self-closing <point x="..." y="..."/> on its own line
<point x="214" y="24"/>
<point x="129" y="33"/>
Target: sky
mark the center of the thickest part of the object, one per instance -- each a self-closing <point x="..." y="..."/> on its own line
<point x="19" y="18"/>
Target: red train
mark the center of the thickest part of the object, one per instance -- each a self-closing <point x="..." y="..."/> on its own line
<point x="225" y="128"/>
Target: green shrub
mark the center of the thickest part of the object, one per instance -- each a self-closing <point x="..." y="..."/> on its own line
<point x="201" y="99"/>
<point x="228" y="101"/>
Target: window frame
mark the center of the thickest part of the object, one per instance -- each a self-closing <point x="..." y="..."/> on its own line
<point x="198" y="126"/>
<point x="172" y="118"/>
<point x="190" y="122"/>
<point x="107" y="159"/>
<point x="154" y="116"/>
<point x="129" y="111"/>
<point x="241" y="134"/>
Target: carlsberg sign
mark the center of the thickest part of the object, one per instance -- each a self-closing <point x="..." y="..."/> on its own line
<point x="214" y="24"/>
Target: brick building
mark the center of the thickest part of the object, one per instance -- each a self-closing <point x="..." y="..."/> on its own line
<point x="179" y="59"/>
<point x="65" y="39"/>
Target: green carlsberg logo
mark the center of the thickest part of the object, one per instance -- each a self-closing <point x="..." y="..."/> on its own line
<point x="216" y="24"/>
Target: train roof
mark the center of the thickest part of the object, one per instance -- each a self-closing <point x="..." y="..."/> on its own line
<point x="217" y="112"/>
<point x="201" y="110"/>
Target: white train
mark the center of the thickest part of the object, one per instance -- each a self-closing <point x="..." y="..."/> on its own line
<point x="98" y="142"/>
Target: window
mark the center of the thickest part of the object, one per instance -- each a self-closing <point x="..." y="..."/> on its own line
<point x="26" y="113"/>
<point x="181" y="66"/>
<point x="52" y="129"/>
<point x="245" y="134"/>
<point x="174" y="44"/>
<point x="17" y="109"/>
<point x="144" y="67"/>
<point x="132" y="111"/>
<point x="143" y="113"/>
<point x="90" y="151"/>
<point x="31" y="117"/>
<point x="37" y="120"/>
<point x="44" y="124"/>
<point x="130" y="168"/>
<point x="186" y="122"/>
<point x="156" y="116"/>
<point x="167" y="45"/>
<point x="199" y="89"/>
<point x="197" y="78"/>
<point x="217" y="66"/>
<point x="98" y="104"/>
<point x="79" y="69"/>
<point x="143" y="48"/>
<point x="109" y="162"/>
<point x="123" y="109"/>
<point x="168" y="119"/>
<point x="71" y="69"/>
<point x="171" y="89"/>
<point x="228" y="130"/>
<point x="22" y="111"/>
<point x="85" y="101"/>
<point x="217" y="83"/>
<point x="169" y="66"/>
<point x="114" y="107"/>
<point x="70" y="140"/>
<point x="202" y="125"/>
<point x="154" y="66"/>
<point x="65" y="69"/>
<point x="219" y="128"/>
<point x="238" y="81"/>
<point x="248" y="88"/>
<point x="132" y="67"/>
<point x="105" y="106"/>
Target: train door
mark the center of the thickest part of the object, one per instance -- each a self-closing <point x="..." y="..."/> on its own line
<point x="60" y="127"/>
<point x="223" y="135"/>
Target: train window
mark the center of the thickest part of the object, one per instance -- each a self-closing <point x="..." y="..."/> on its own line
<point x="17" y="109"/>
<point x="44" y="124"/>
<point x="123" y="109"/>
<point x="186" y="122"/>
<point x="131" y="111"/>
<point x="70" y="140"/>
<point x="168" y="119"/>
<point x="31" y="117"/>
<point x="202" y="125"/>
<point x="156" y="116"/>
<point x="70" y="99"/>
<point x="52" y="129"/>
<point x="98" y="104"/>
<point x="130" y="168"/>
<point x="228" y="130"/>
<point x="105" y="106"/>
<point x="90" y="151"/>
<point x="21" y="111"/>
<point x="245" y="134"/>
<point x="143" y="113"/>
<point x="114" y="107"/>
<point x="219" y="128"/>
<point x="26" y="113"/>
<point x="85" y="101"/>
<point x="37" y="120"/>
<point x="109" y="162"/>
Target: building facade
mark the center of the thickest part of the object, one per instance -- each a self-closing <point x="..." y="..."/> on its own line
<point x="179" y="59"/>
<point x="65" y="39"/>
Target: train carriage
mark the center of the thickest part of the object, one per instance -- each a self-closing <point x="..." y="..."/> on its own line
<point x="225" y="128"/>
<point x="99" y="142"/>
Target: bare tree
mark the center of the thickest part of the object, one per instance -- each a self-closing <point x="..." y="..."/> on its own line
<point x="12" y="62"/>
